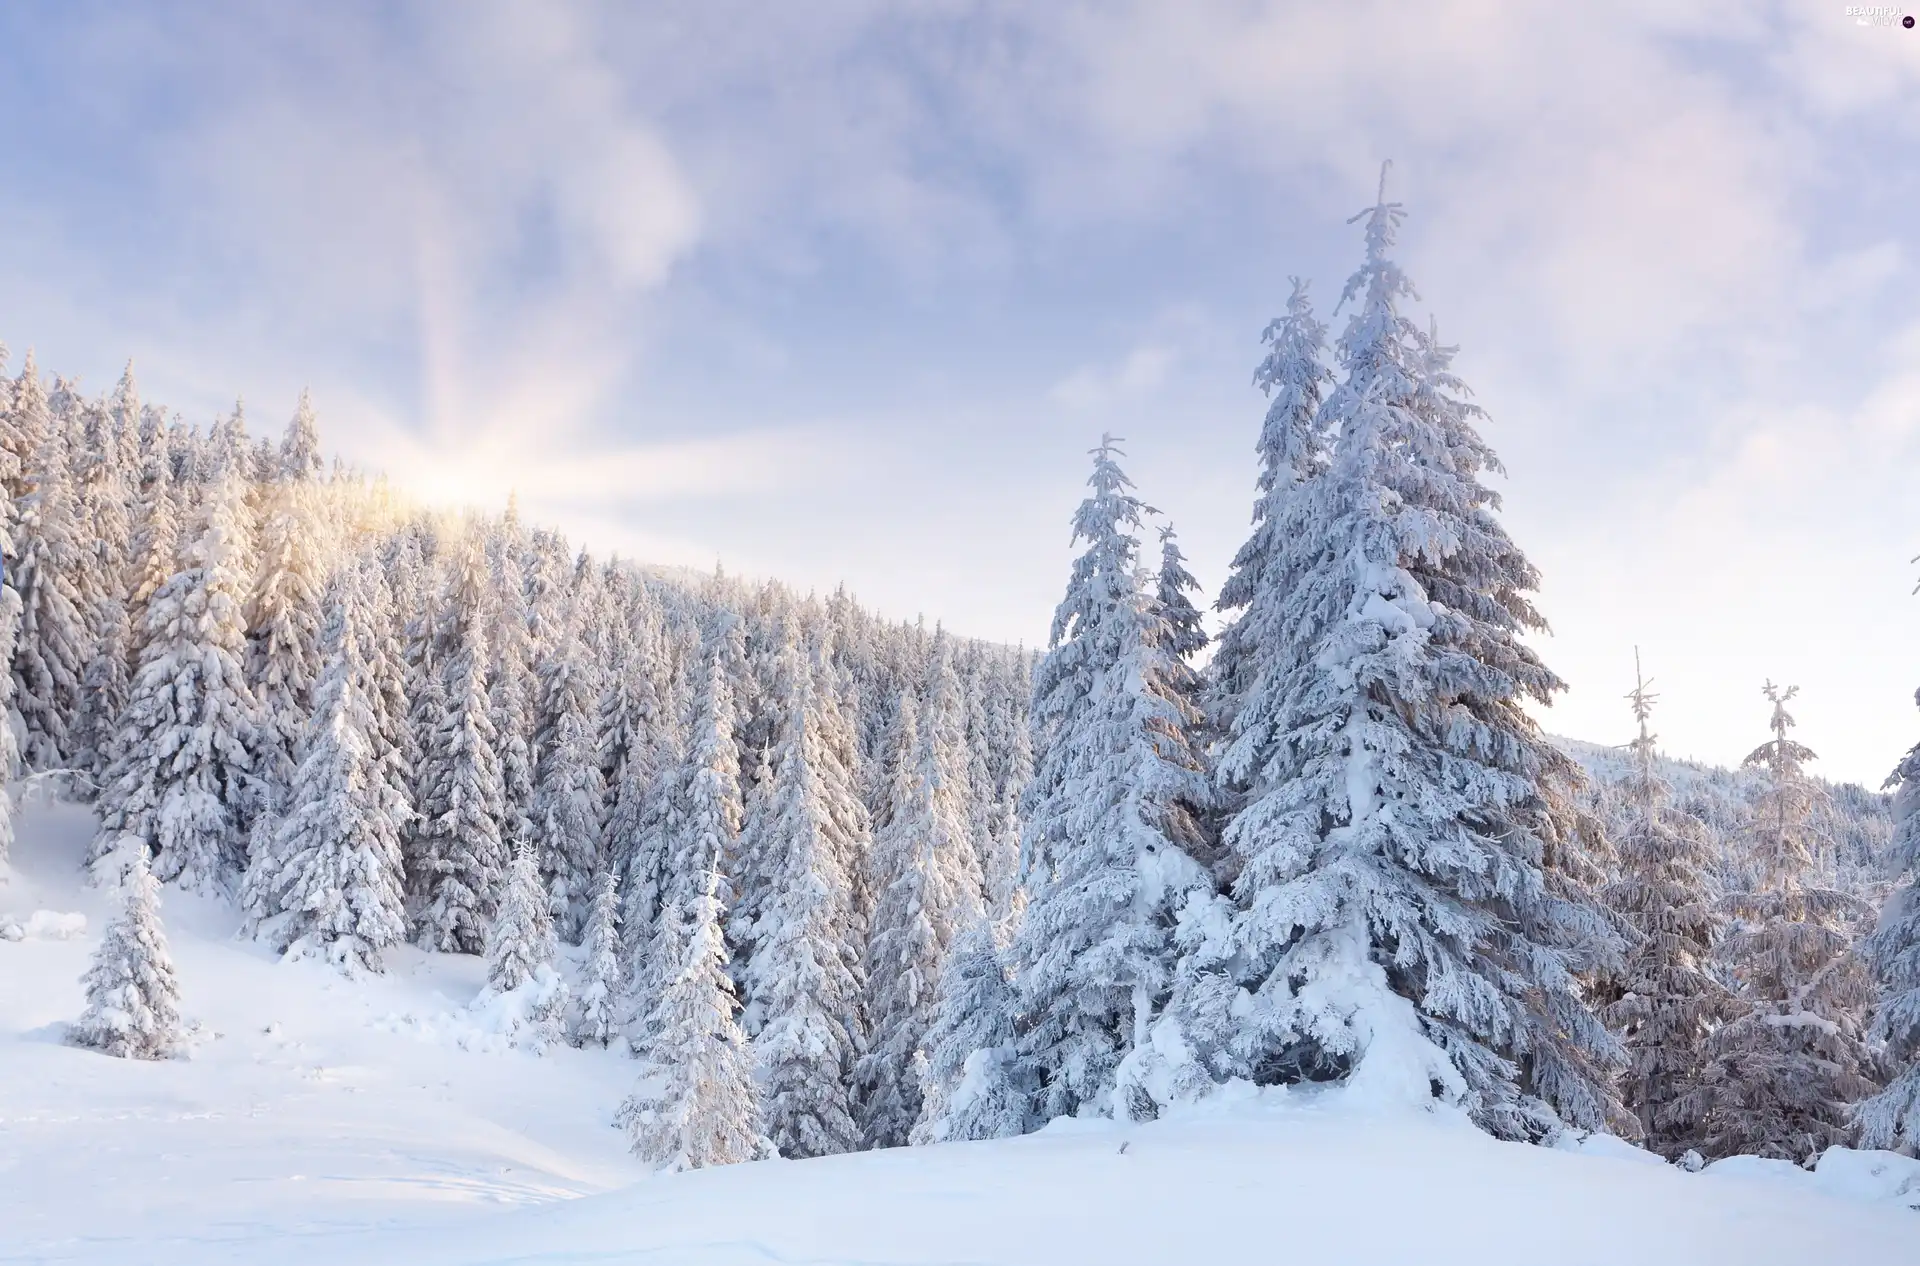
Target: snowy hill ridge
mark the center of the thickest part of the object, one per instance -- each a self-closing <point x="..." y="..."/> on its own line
<point x="313" y="1119"/>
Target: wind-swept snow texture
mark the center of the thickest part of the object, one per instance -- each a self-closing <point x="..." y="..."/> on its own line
<point x="320" y="1120"/>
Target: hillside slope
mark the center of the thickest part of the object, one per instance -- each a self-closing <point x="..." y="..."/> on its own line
<point x="321" y="1121"/>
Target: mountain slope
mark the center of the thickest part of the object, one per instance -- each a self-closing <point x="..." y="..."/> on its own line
<point x="320" y="1120"/>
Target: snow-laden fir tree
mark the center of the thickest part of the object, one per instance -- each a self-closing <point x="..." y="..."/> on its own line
<point x="926" y="890"/>
<point x="949" y="766"/>
<point x="133" y="997"/>
<point x="105" y="473"/>
<point x="1006" y="895"/>
<point x="283" y="629"/>
<point x="689" y="830"/>
<point x="695" y="1104"/>
<point x="708" y="791"/>
<point x="1186" y="635"/>
<point x="1293" y="448"/>
<point x="524" y="993"/>
<point x="569" y="795"/>
<point x="463" y="860"/>
<point x="1891" y="1118"/>
<point x="328" y="879"/>
<point x="52" y="649"/>
<point x="9" y="742"/>
<point x="977" y="1086"/>
<point x="597" y="1021"/>
<point x="1783" y="1071"/>
<point x="183" y="760"/>
<point x="299" y="459"/>
<point x="1666" y="1000"/>
<point x="805" y="973"/>
<point x="647" y="825"/>
<point x="23" y="419"/>
<point x="1395" y="927"/>
<point x="510" y="684"/>
<point x="1111" y="832"/>
<point x="752" y="878"/>
<point x="410" y="571"/>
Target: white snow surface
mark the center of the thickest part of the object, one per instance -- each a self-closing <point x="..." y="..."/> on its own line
<point x="325" y="1120"/>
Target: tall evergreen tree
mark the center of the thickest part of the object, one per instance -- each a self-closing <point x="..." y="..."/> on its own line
<point x="600" y="984"/>
<point x="1782" y="1072"/>
<point x="805" y="972"/>
<point x="463" y="858"/>
<point x="1110" y="840"/>
<point x="925" y="893"/>
<point x="283" y="633"/>
<point x="1293" y="448"/>
<point x="1666" y="1001"/>
<point x="696" y="1104"/>
<point x="52" y="649"/>
<point x="521" y="981"/>
<point x="329" y="879"/>
<point x="510" y="685"/>
<point x="299" y="459"/>
<point x="977" y="1085"/>
<point x="1891" y="1118"/>
<point x="1396" y="927"/>
<point x="183" y="761"/>
<point x="133" y="997"/>
<point x="569" y="795"/>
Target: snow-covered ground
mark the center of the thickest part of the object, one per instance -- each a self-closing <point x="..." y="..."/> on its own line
<point x="326" y="1121"/>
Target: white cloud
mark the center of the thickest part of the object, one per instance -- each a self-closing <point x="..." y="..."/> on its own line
<point x="1140" y="372"/>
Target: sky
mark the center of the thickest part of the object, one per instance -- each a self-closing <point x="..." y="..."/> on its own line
<point x="845" y="291"/>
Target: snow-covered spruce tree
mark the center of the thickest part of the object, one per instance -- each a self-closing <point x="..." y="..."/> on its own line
<point x="105" y="475"/>
<point x="133" y="999"/>
<point x="696" y="1104"/>
<point x="1782" y="1073"/>
<point x="385" y="658"/>
<point x="9" y="742"/>
<point x="11" y="725"/>
<point x="183" y="760"/>
<point x="751" y="880"/>
<point x="523" y="991"/>
<point x="328" y="880"/>
<point x="977" y="728"/>
<point x="1186" y="637"/>
<point x="1395" y="927"/>
<point x="709" y="791"/>
<point x="299" y="459"/>
<point x="1006" y="895"/>
<point x="569" y="795"/>
<point x="463" y="860"/>
<point x="926" y="890"/>
<point x="521" y="940"/>
<point x="1109" y="843"/>
<point x="977" y="1087"/>
<point x="1666" y="1000"/>
<point x="805" y="974"/>
<point x="1891" y="1118"/>
<point x="23" y="419"/>
<point x="52" y="650"/>
<point x="689" y="829"/>
<point x="948" y="766"/>
<point x="156" y="547"/>
<point x="596" y="1023"/>
<point x="1293" y="449"/>
<point x="648" y="822"/>
<point x="510" y="684"/>
<point x="410" y="569"/>
<point x="283" y="631"/>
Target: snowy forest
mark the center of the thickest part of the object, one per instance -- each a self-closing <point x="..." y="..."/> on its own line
<point x="836" y="882"/>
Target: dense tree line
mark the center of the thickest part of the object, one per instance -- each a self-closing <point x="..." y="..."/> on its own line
<point x="839" y="883"/>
